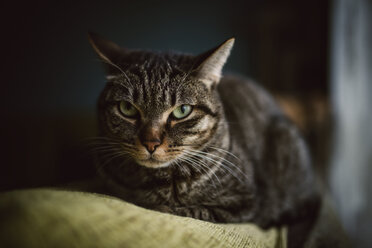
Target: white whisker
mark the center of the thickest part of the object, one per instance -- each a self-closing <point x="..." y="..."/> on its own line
<point x="224" y="151"/>
<point x="223" y="159"/>
<point x="193" y="163"/>
<point x="222" y="165"/>
<point x="204" y="165"/>
<point x="117" y="67"/>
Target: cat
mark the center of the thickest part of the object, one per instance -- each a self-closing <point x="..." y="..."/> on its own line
<point x="178" y="137"/>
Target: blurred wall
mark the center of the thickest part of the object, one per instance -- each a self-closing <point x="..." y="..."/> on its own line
<point x="351" y="80"/>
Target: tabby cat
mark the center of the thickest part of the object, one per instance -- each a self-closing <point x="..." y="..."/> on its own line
<point x="178" y="137"/>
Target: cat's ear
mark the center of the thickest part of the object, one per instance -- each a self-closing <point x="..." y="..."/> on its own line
<point x="210" y="64"/>
<point x="108" y="51"/>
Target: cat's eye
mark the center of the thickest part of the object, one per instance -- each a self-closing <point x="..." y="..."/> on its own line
<point x="127" y="109"/>
<point x="182" y="111"/>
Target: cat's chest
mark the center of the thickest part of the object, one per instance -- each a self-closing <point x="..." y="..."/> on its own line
<point x="177" y="193"/>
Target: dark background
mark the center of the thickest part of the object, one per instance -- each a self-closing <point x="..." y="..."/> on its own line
<point x="51" y="78"/>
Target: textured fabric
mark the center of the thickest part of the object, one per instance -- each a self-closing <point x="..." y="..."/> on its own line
<point x="55" y="218"/>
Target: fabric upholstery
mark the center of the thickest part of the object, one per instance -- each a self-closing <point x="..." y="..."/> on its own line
<point x="60" y="218"/>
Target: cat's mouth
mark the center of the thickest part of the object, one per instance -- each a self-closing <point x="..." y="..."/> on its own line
<point x="156" y="159"/>
<point x="153" y="162"/>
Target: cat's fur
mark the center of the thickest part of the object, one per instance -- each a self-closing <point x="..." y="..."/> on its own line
<point x="236" y="158"/>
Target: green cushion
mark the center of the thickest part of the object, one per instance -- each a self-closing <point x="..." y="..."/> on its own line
<point x="57" y="218"/>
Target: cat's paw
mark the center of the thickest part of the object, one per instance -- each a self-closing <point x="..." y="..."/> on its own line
<point x="163" y="209"/>
<point x="197" y="212"/>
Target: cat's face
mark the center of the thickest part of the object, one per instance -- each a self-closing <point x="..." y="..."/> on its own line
<point x="157" y="122"/>
<point x="157" y="108"/>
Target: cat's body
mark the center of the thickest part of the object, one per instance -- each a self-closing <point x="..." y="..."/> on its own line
<point x="234" y="158"/>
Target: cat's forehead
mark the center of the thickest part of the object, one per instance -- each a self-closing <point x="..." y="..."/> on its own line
<point x="156" y="82"/>
<point x="155" y="94"/>
<point x="159" y="68"/>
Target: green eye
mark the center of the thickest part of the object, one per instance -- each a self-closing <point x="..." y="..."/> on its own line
<point x="182" y="111"/>
<point x="127" y="109"/>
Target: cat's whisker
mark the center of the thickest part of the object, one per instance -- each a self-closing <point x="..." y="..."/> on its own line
<point x="204" y="165"/>
<point x="182" y="166"/>
<point x="122" y="164"/>
<point x="96" y="149"/>
<point x="224" y="151"/>
<point x="98" y="142"/>
<point x="202" y="156"/>
<point x="97" y="137"/>
<point x="229" y="170"/>
<point x="100" y="150"/>
<point x="100" y="139"/>
<point x="223" y="159"/>
<point x="183" y="169"/>
<point x="197" y="165"/>
<point x="216" y="162"/>
<point x="104" y="146"/>
<point x="107" y="153"/>
<point x="117" y="67"/>
<point x="176" y="162"/>
<point x="189" y="145"/>
<point x="113" y="156"/>
<point x="102" y="143"/>
<point x="119" y="147"/>
<point x="173" y="150"/>
<point x="194" y="163"/>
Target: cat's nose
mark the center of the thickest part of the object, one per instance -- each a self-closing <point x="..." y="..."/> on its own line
<point x="151" y="145"/>
<point x="151" y="137"/>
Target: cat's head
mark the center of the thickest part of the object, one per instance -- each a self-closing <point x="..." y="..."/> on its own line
<point x="159" y="107"/>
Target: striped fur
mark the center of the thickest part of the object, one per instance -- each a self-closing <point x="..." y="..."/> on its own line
<point x="236" y="158"/>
